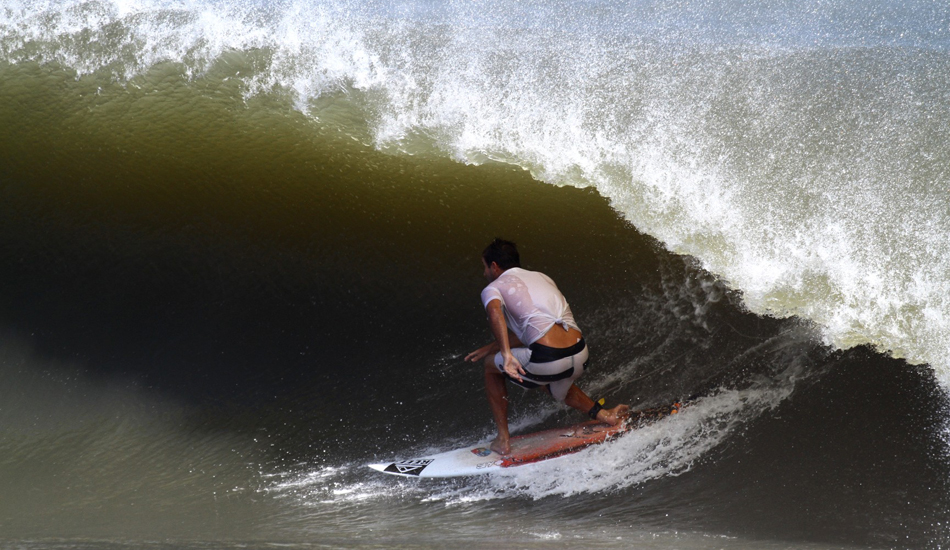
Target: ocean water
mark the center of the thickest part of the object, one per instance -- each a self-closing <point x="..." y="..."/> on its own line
<point x="239" y="260"/>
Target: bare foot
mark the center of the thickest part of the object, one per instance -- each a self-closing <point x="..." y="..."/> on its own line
<point x="615" y="415"/>
<point x="500" y="446"/>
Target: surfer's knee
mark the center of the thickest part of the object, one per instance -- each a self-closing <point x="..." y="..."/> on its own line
<point x="490" y="367"/>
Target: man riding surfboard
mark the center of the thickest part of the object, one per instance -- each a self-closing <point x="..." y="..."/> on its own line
<point x="537" y="342"/>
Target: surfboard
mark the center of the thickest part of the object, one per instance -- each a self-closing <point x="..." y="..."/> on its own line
<point x="525" y="449"/>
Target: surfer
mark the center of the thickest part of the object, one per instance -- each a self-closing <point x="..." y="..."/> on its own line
<point x="537" y="342"/>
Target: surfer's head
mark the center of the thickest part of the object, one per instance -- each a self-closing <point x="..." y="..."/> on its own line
<point x="502" y="253"/>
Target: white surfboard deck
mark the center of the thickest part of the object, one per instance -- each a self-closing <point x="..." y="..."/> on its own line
<point x="525" y="449"/>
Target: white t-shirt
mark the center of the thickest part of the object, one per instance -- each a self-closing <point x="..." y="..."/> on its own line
<point x="531" y="301"/>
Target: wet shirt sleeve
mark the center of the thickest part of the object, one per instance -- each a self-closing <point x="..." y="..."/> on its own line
<point x="491" y="293"/>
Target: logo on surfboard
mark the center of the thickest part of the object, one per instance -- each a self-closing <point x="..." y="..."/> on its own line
<point x="409" y="467"/>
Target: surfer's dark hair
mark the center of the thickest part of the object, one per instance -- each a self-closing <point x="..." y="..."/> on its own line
<point x="502" y="252"/>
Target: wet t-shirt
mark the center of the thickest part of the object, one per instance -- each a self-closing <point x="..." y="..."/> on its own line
<point x="532" y="303"/>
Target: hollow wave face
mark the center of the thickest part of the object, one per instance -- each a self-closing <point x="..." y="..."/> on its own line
<point x="798" y="152"/>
